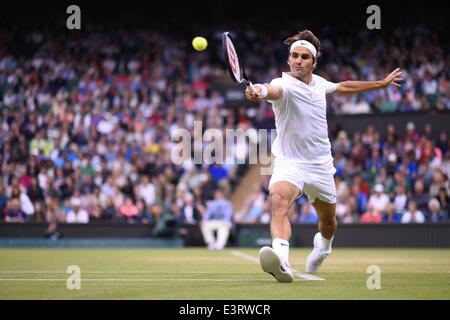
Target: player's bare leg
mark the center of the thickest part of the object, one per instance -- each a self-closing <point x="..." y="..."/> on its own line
<point x="283" y="195"/>
<point x="323" y="239"/>
<point x="275" y="260"/>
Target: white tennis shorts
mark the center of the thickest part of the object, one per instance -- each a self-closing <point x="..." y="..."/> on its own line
<point x="315" y="180"/>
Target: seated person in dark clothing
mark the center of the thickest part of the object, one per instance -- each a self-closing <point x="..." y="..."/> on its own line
<point x="109" y="212"/>
<point x="189" y="211"/>
<point x="3" y="201"/>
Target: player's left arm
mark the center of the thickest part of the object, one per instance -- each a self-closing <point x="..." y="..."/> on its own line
<point x="352" y="87"/>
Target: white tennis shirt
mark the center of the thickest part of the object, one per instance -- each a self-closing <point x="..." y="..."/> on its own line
<point x="300" y="120"/>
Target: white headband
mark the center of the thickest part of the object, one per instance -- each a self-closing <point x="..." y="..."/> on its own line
<point x="305" y="44"/>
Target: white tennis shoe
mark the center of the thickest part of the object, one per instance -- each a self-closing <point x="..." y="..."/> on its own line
<point x="316" y="257"/>
<point x="271" y="263"/>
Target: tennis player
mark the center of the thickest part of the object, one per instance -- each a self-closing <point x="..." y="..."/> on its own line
<point x="303" y="161"/>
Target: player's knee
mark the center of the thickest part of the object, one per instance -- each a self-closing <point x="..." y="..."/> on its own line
<point x="329" y="222"/>
<point x="280" y="203"/>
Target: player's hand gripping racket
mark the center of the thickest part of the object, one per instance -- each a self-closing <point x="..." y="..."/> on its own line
<point x="235" y="67"/>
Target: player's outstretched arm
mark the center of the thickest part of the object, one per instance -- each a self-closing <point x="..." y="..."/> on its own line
<point x="264" y="92"/>
<point x="352" y="87"/>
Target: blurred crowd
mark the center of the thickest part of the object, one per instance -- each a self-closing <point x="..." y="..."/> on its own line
<point x="86" y="128"/>
<point x="424" y="59"/>
<point x="86" y="121"/>
<point x="380" y="178"/>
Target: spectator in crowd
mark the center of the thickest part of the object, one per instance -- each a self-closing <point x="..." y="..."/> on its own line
<point x="217" y="218"/>
<point x="359" y="197"/>
<point x="3" y="200"/>
<point x="266" y="215"/>
<point x="189" y="212"/>
<point x="143" y="212"/>
<point x="26" y="206"/>
<point x="400" y="199"/>
<point x="438" y="181"/>
<point x="13" y="211"/>
<point x="53" y="214"/>
<point x="308" y="214"/>
<point x="341" y="188"/>
<point x="220" y="175"/>
<point x="35" y="192"/>
<point x="372" y="215"/>
<point x="413" y="215"/>
<point x="392" y="215"/>
<point x="379" y="200"/>
<point x="109" y="212"/>
<point x="346" y="211"/>
<point x="129" y="211"/>
<point x="93" y="206"/>
<point x="39" y="211"/>
<point x="252" y="209"/>
<point x="342" y="143"/>
<point x="164" y="220"/>
<point x="444" y="201"/>
<point x="436" y="214"/>
<point x="77" y="214"/>
<point x="419" y="197"/>
<point x="147" y="191"/>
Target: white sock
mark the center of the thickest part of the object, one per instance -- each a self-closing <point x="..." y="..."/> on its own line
<point x="326" y="244"/>
<point x="281" y="248"/>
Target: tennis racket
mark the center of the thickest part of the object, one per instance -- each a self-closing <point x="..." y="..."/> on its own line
<point x="237" y="72"/>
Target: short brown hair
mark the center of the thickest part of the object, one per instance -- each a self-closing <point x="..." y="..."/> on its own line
<point x="304" y="35"/>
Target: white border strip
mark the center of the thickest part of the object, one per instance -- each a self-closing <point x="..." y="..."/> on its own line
<point x="115" y="272"/>
<point x="134" y="280"/>
<point x="303" y="275"/>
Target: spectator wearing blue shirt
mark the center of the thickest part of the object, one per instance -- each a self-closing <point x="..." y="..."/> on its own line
<point x="13" y="211"/>
<point x="360" y="197"/>
<point x="218" y="172"/>
<point x="217" y="218"/>
<point x="391" y="216"/>
<point x="308" y="214"/>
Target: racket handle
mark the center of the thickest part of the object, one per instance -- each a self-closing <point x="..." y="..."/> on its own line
<point x="251" y="88"/>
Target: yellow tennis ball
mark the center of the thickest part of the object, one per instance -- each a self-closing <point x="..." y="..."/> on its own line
<point x="199" y="43"/>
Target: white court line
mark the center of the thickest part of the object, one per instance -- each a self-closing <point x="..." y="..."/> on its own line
<point x="114" y="272"/>
<point x="135" y="280"/>
<point x="302" y="275"/>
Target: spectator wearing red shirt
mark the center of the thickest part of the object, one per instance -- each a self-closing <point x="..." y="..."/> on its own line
<point x="129" y="210"/>
<point x="371" y="215"/>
